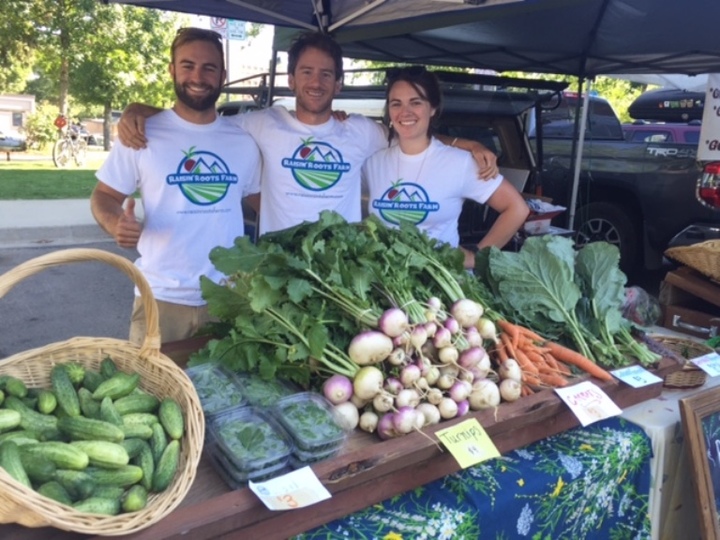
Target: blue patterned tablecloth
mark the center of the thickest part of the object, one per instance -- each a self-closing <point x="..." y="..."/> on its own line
<point x="586" y="483"/>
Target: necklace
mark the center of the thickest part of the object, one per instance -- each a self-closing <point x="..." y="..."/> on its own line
<point x="422" y="163"/>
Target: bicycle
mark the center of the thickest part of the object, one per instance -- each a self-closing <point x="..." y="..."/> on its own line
<point x="69" y="146"/>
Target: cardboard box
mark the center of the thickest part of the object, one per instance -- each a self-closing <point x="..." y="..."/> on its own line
<point x="691" y="303"/>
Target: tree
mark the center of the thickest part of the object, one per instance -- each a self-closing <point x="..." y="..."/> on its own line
<point x="17" y="38"/>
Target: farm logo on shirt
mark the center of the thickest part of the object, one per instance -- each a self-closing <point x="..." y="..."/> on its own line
<point x="315" y="165"/>
<point x="405" y="201"/>
<point x="203" y="177"/>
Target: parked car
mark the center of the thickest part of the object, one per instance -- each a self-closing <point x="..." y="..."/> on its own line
<point x="12" y="143"/>
<point x="658" y="132"/>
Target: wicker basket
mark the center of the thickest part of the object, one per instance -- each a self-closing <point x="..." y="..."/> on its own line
<point x="159" y="376"/>
<point x="703" y="257"/>
<point x="690" y="376"/>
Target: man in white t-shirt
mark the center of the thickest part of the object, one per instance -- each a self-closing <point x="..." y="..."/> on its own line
<point x="192" y="177"/>
<point x="311" y="161"/>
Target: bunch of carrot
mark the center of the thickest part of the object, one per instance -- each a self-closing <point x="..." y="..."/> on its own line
<point x="543" y="362"/>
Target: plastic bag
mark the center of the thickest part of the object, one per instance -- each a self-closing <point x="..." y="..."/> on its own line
<point x="640" y="307"/>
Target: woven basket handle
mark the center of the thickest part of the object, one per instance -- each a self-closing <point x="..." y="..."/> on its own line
<point x="151" y="344"/>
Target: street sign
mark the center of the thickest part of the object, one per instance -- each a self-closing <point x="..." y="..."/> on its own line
<point x="219" y="25"/>
<point x="236" y="30"/>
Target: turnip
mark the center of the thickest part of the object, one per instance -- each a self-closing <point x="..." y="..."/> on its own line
<point x="448" y="355"/>
<point x="510" y="389"/>
<point x="419" y="420"/>
<point x="397" y="357"/>
<point x="368" y="421"/>
<point x="463" y="407"/>
<point x="442" y="337"/>
<point x="383" y="402"/>
<point x="370" y="347"/>
<point x="487" y="329"/>
<point x="347" y="415"/>
<point x="418" y="337"/>
<point x="466" y="375"/>
<point x="393" y="322"/>
<point x="407" y="397"/>
<point x="466" y="312"/>
<point x="510" y="369"/>
<point x="434" y="396"/>
<point x="452" y="325"/>
<point x="430" y="328"/>
<point x="448" y="408"/>
<point x="368" y="382"/>
<point x="430" y="413"/>
<point x="424" y="364"/>
<point x="432" y="375"/>
<point x="453" y="370"/>
<point x="401" y="340"/>
<point x="403" y="420"/>
<point x="434" y="304"/>
<point x="445" y="382"/>
<point x="358" y="402"/>
<point x="385" y="427"/>
<point x="471" y="357"/>
<point x="485" y="395"/>
<point x="430" y="315"/>
<point x="422" y="384"/>
<point x="392" y="385"/>
<point x="409" y="374"/>
<point x="473" y="337"/>
<point x="460" y="390"/>
<point x="338" y="389"/>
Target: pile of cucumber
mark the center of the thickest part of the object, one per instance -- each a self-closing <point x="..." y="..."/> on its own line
<point x="93" y="440"/>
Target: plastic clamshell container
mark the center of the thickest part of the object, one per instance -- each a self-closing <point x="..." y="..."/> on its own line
<point x="250" y="439"/>
<point x="216" y="387"/>
<point x="262" y="393"/>
<point x="310" y="420"/>
<point x="237" y="479"/>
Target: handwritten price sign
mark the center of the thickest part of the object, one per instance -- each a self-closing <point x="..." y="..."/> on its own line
<point x="296" y="489"/>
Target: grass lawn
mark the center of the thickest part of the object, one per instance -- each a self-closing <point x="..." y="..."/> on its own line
<point x="32" y="175"/>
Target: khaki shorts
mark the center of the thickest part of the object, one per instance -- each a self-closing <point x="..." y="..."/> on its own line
<point x="176" y="321"/>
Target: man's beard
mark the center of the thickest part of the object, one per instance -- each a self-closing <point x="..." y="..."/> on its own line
<point x="200" y="104"/>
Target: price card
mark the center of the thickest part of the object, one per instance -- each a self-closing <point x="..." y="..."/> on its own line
<point x="709" y="363"/>
<point x="636" y="376"/>
<point x="588" y="402"/>
<point x="295" y="489"/>
<point x="468" y="443"/>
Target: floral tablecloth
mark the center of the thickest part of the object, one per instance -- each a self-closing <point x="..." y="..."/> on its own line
<point x="590" y="482"/>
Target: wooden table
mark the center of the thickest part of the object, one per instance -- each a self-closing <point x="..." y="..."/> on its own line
<point x="366" y="472"/>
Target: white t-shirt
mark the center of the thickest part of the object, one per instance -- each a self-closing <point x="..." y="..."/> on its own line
<point x="308" y="169"/>
<point x="192" y="179"/>
<point x="426" y="189"/>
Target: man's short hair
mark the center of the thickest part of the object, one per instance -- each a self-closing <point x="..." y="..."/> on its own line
<point x="315" y="40"/>
<point x="189" y="34"/>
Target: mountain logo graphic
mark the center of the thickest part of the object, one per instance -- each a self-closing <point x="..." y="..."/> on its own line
<point x="316" y="165"/>
<point x="405" y="202"/>
<point x="203" y="177"/>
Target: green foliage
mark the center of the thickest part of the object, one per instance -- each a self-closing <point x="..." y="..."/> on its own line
<point x="39" y="128"/>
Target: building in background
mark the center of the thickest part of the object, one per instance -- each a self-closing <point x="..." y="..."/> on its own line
<point x="14" y="110"/>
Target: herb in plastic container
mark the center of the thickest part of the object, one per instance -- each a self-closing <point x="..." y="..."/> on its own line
<point x="250" y="439"/>
<point x="309" y="419"/>
<point x="237" y="479"/>
<point x="216" y="387"/>
<point x="263" y="393"/>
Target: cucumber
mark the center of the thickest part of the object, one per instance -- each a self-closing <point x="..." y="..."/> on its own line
<point x="10" y="461"/>
<point x="134" y="499"/>
<point x="79" y="484"/>
<point x="2" y="397"/>
<point x="134" y="446"/>
<point x="15" y="387"/>
<point x="89" y="407"/>
<point x="108" y="368"/>
<point x="64" y="390"/>
<point x="109" y="413"/>
<point x="9" y="419"/>
<point x="98" y="505"/>
<point x="117" y="386"/>
<point x="47" y="402"/>
<point x="64" y="455"/>
<point x="46" y="426"/>
<point x="146" y="419"/>
<point x="137" y="403"/>
<point x="145" y="461"/>
<point x="76" y="371"/>
<point x="124" y="476"/>
<point x="137" y="431"/>
<point x="158" y="441"/>
<point x="92" y="380"/>
<point x="171" y="418"/>
<point x="89" y="429"/>
<point x="104" y="454"/>
<point x="20" y="436"/>
<point x="108" y="492"/>
<point x="38" y="468"/>
<point x="55" y="491"/>
<point x="167" y="466"/>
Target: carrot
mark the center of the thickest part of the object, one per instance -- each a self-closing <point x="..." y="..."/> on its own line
<point x="535" y="357"/>
<point x="552" y="379"/>
<point x="511" y="329"/>
<point x="531" y="379"/>
<point x="530" y="334"/>
<point x="506" y="343"/>
<point x="525" y="363"/>
<point x="578" y="360"/>
<point x="501" y="354"/>
<point x="525" y="390"/>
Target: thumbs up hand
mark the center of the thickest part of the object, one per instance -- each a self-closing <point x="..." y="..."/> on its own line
<point x="128" y="228"/>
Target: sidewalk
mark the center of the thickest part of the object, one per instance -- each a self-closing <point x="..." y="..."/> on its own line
<point x="28" y="223"/>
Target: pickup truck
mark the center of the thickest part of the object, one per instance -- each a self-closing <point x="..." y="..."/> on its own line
<point x="638" y="196"/>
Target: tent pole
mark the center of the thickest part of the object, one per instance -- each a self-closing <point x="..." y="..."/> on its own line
<point x="273" y="73"/>
<point x="580" y="137"/>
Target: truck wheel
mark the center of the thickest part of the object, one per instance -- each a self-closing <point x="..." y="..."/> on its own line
<point x="608" y="222"/>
